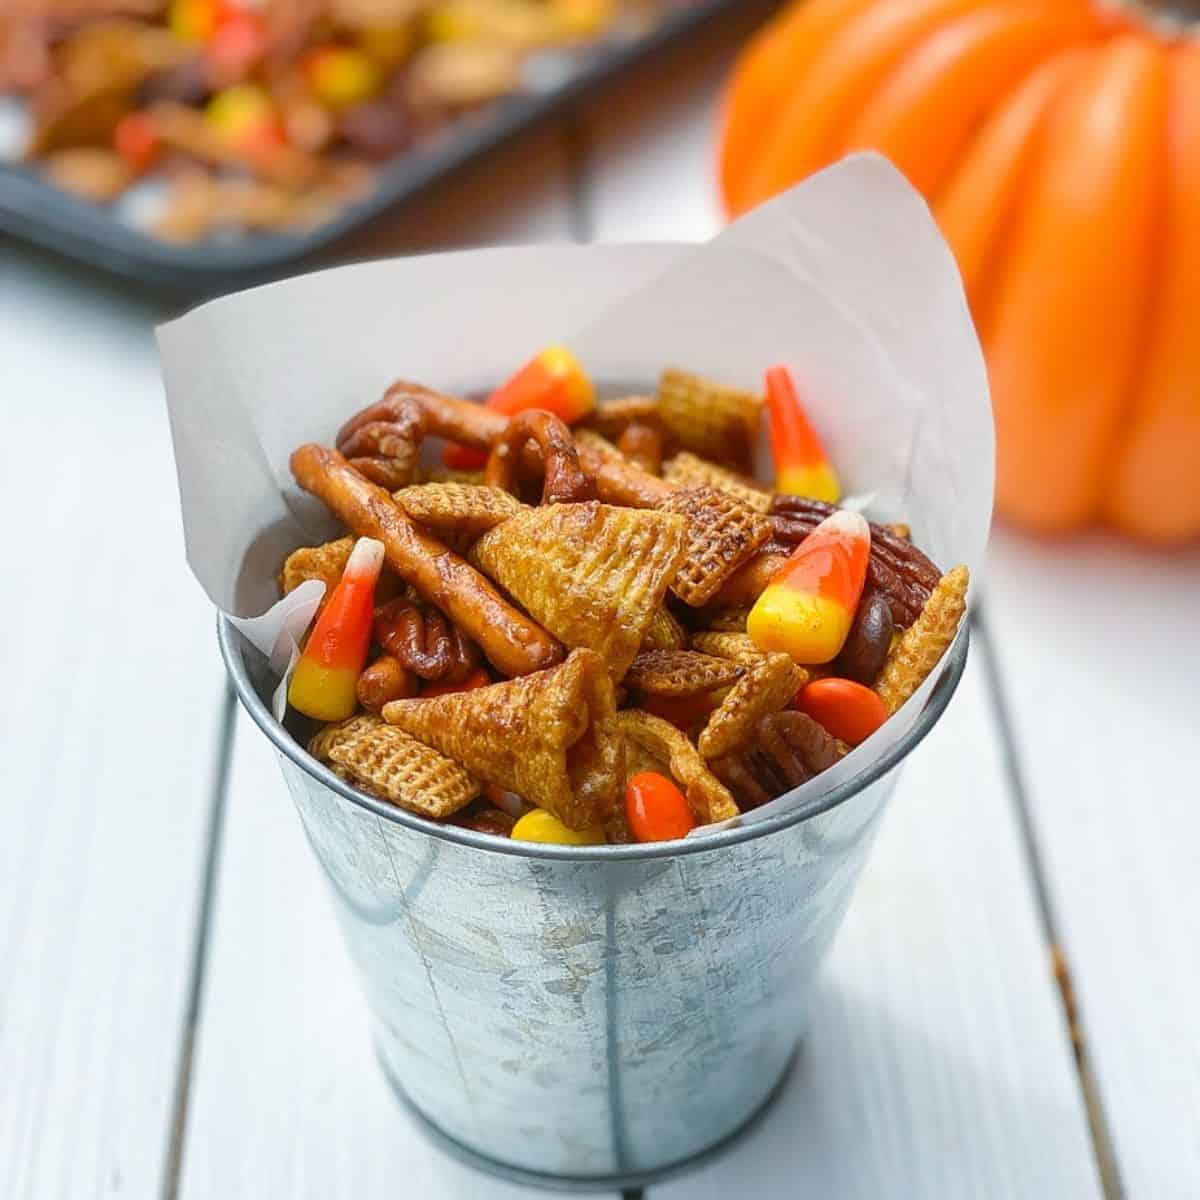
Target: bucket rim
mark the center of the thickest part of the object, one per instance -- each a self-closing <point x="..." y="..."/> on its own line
<point x="233" y="645"/>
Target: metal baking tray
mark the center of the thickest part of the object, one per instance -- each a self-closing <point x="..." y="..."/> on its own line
<point x="38" y="212"/>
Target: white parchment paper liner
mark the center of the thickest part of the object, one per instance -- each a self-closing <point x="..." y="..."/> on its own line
<point x="845" y="279"/>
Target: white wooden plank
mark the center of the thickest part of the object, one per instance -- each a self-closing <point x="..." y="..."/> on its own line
<point x="1097" y="648"/>
<point x="287" y="1097"/>
<point x="109" y="719"/>
<point x="937" y="1065"/>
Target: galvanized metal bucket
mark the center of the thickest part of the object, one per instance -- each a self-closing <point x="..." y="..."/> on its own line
<point x="587" y="1017"/>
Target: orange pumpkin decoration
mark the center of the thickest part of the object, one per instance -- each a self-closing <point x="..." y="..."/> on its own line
<point x="1058" y="144"/>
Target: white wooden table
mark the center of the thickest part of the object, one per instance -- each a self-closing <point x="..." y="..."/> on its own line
<point x="177" y="1013"/>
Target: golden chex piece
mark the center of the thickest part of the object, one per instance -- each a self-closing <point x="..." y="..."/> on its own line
<point x="665" y="632"/>
<point x="769" y="684"/>
<point x="654" y="742"/>
<point x="389" y="763"/>
<point x="740" y="647"/>
<point x="610" y="417"/>
<point x="719" y="423"/>
<point x="680" y="673"/>
<point x="457" y="508"/>
<point x="600" y="444"/>
<point x="722" y="535"/>
<point x="550" y="736"/>
<point x="591" y="574"/>
<point x="920" y="647"/>
<point x="325" y="563"/>
<point x="438" y="473"/>
<point x="686" y="470"/>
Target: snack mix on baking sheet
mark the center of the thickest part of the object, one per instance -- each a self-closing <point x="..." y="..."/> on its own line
<point x="605" y="631"/>
<point x="198" y="117"/>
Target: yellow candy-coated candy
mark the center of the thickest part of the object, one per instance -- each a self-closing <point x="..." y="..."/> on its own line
<point x="583" y="18"/>
<point x="541" y="826"/>
<point x="241" y="111"/>
<point x="192" y="20"/>
<point x="817" y="482"/>
<point x="812" y="629"/>
<point x="323" y="693"/>
<point x="341" y="76"/>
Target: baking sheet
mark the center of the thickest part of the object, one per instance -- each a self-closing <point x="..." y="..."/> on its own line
<point x="38" y="212"/>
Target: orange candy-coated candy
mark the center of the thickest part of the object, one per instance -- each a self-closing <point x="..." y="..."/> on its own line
<point x="136" y="140"/>
<point x="846" y="709"/>
<point x="807" y="609"/>
<point x="324" y="684"/>
<point x="801" y="467"/>
<point x="239" y="42"/>
<point x="656" y="809"/>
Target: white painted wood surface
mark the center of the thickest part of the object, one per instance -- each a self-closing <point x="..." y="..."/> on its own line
<point x="109" y="718"/>
<point x="287" y="1098"/>
<point x="1099" y="655"/>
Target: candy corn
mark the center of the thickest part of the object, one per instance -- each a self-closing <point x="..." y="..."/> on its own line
<point x="541" y="826"/>
<point x="808" y="607"/>
<point x="323" y="685"/>
<point x="847" y="710"/>
<point x="801" y="467"/>
<point x="552" y="380"/>
<point x="657" y="811"/>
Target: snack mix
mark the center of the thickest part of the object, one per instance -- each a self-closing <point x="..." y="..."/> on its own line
<point x="592" y="626"/>
<point x="196" y="118"/>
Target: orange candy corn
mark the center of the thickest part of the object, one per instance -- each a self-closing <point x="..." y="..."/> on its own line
<point x="801" y="467"/>
<point x="846" y="709"/>
<point x="323" y="684"/>
<point x="808" y="607"/>
<point x="657" y="811"/>
<point x="552" y="380"/>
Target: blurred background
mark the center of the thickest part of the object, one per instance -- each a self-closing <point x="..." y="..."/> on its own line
<point x="1011" y="1009"/>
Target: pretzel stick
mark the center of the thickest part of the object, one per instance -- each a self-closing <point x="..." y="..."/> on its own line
<point x="512" y="643"/>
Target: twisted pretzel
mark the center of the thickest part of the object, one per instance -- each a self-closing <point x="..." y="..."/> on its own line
<point x="383" y="441"/>
<point x="563" y="479"/>
<point x="424" y="642"/>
